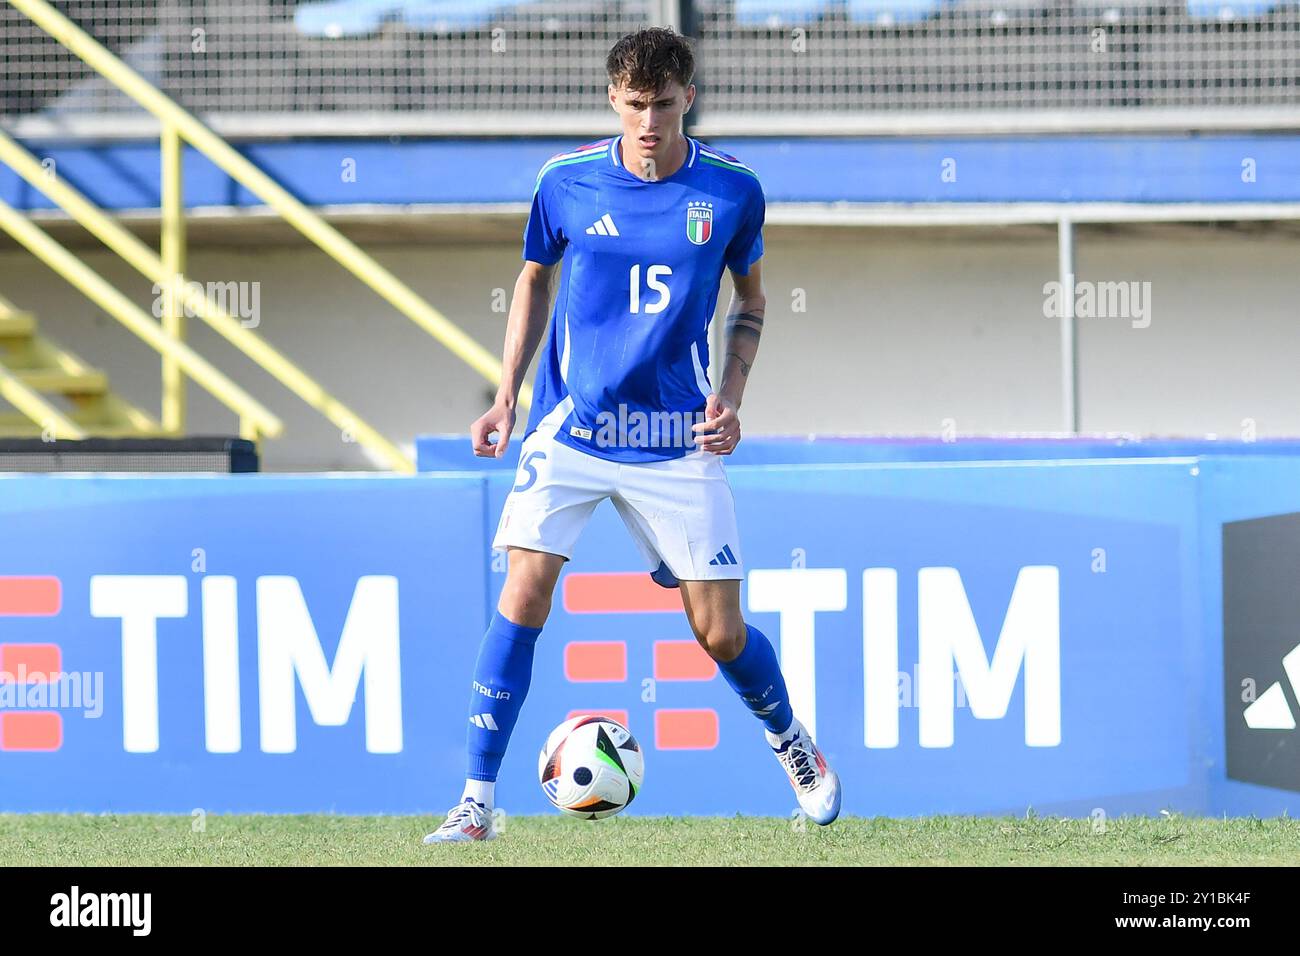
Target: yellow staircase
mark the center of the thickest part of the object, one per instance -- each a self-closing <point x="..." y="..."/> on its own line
<point x="53" y="392"/>
<point x="35" y="374"/>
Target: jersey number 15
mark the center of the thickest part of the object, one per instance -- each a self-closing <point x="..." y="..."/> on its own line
<point x="652" y="274"/>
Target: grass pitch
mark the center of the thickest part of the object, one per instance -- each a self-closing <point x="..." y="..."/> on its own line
<point x="327" y="840"/>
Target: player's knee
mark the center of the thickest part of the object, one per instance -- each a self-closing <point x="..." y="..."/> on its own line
<point x="525" y="605"/>
<point x="722" y="640"/>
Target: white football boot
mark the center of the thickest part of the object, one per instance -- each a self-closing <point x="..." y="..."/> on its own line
<point x="815" y="784"/>
<point x="466" y="822"/>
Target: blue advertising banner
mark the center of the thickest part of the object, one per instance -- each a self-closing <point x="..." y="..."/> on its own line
<point x="235" y="643"/>
<point x="454" y="452"/>
<point x="963" y="638"/>
<point x="976" y="639"/>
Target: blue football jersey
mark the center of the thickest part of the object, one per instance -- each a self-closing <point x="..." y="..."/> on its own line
<point x="622" y="374"/>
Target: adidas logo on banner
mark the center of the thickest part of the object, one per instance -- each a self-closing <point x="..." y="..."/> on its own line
<point x="485" y="721"/>
<point x="724" y="557"/>
<point x="604" y="226"/>
<point x="1270" y="711"/>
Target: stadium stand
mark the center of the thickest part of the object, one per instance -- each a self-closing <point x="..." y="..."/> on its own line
<point x="419" y="58"/>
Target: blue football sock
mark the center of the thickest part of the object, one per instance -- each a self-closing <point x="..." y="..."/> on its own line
<point x="756" y="677"/>
<point x="501" y="678"/>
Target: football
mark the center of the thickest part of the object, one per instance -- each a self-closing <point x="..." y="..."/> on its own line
<point x="591" y="767"/>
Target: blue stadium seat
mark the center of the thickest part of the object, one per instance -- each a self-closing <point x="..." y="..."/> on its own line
<point x="351" y="18"/>
<point x="1113" y="11"/>
<point x="452" y="16"/>
<point x="778" y="13"/>
<point x="888" y="12"/>
<point x="1000" y="11"/>
<point x="1229" y="9"/>
<point x="343" y="18"/>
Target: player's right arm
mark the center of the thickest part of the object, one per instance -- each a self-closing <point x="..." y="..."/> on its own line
<point x="529" y="311"/>
<point x="544" y="244"/>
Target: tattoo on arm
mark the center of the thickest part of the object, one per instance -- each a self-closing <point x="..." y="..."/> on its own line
<point x="747" y="323"/>
<point x="744" y="366"/>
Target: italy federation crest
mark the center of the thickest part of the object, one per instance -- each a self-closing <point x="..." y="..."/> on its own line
<point x="699" y="222"/>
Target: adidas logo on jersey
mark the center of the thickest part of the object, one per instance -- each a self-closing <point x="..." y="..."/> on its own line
<point x="485" y="721"/>
<point x="604" y="226"/>
<point x="724" y="557"/>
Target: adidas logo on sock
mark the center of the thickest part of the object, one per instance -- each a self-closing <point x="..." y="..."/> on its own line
<point x="604" y="226"/>
<point x="485" y="721"/>
<point x="1270" y="710"/>
<point x="724" y="557"/>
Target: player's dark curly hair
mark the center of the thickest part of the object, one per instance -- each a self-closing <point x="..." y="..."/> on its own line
<point x="650" y="59"/>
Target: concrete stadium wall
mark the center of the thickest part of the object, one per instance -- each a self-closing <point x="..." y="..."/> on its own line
<point x="904" y="331"/>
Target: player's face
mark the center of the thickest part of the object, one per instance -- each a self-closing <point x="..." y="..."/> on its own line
<point x="652" y="121"/>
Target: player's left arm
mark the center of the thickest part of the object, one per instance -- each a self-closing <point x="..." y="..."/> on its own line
<point x="720" y="432"/>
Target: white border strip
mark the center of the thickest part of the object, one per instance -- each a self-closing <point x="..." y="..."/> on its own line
<point x="599" y="124"/>
<point x="780" y="214"/>
<point x="1018" y="214"/>
<point x="997" y="122"/>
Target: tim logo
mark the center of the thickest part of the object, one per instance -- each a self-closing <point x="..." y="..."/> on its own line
<point x="29" y="669"/>
<point x="605" y="662"/>
<point x="289" y="658"/>
<point x="951" y="650"/>
<point x="1261" y="650"/>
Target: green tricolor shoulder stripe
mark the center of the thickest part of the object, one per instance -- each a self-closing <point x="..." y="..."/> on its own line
<point x="555" y="164"/>
<point x="718" y="161"/>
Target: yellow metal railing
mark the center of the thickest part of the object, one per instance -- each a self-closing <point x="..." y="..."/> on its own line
<point x="181" y="295"/>
<point x="34" y="406"/>
<point x="254" y="419"/>
<point x="8" y="309"/>
<point x="173" y="264"/>
<point x="179" y="126"/>
<point x="21" y="393"/>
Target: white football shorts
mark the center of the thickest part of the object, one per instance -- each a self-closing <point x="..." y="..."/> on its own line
<point x="679" y="512"/>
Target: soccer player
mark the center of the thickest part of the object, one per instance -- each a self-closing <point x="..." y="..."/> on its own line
<point x="645" y="224"/>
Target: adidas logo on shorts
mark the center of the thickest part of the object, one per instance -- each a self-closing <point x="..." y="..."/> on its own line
<point x="724" y="557"/>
